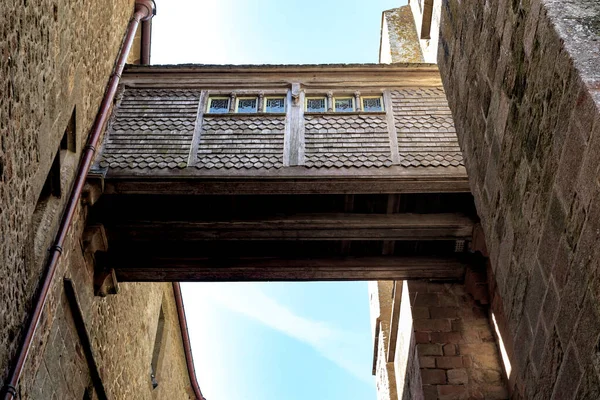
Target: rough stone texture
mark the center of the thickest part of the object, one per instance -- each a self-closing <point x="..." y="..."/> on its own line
<point x="445" y="346"/>
<point x="151" y="129"/>
<point x="49" y="65"/>
<point x="380" y="294"/>
<point x="428" y="44"/>
<point x="425" y="130"/>
<point x="522" y="79"/>
<point x="399" y="40"/>
<point x="56" y="57"/>
<point x="347" y="141"/>
<point x="241" y="142"/>
<point x="458" y="355"/>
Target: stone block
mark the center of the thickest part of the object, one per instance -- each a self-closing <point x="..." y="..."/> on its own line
<point x="443" y="312"/>
<point x="427" y="362"/>
<point x="433" y="376"/>
<point x="445" y="337"/>
<point x="432" y="325"/>
<point x="429" y="350"/>
<point x="450" y="350"/>
<point x="452" y="392"/>
<point x="426" y="300"/>
<point x="449" y="362"/>
<point x="457" y="376"/>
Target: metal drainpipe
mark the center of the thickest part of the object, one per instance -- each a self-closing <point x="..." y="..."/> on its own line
<point x="144" y="10"/>
<point x="186" y="341"/>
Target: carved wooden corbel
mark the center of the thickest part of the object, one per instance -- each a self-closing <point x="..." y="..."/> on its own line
<point x="94" y="240"/>
<point x="295" y="93"/>
<point x="93" y="188"/>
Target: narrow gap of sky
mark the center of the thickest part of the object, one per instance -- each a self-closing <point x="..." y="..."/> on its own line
<point x="276" y="341"/>
<point x="268" y="31"/>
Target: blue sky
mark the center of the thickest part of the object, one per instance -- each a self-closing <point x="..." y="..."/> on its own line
<point x="276" y="341"/>
<point x="268" y="31"/>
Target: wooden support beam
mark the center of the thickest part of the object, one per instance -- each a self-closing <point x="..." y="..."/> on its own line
<point x="130" y="267"/>
<point x="302" y="227"/>
<point x="370" y="184"/>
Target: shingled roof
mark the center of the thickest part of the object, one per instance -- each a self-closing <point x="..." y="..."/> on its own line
<point x="166" y="130"/>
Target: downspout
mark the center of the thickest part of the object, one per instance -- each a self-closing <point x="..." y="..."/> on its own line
<point x="144" y="10"/>
<point x="146" y="40"/>
<point x="186" y="341"/>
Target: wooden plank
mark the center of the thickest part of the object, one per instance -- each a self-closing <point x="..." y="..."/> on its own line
<point x="293" y="148"/>
<point x="193" y="155"/>
<point x="391" y="125"/>
<point x="302" y="227"/>
<point x="142" y="267"/>
<point x="292" y="185"/>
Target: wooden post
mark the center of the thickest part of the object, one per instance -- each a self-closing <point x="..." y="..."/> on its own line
<point x="293" y="142"/>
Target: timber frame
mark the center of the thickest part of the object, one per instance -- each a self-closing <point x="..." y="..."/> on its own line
<point x="395" y="212"/>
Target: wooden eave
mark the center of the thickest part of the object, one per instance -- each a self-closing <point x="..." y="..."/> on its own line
<point x="324" y="76"/>
<point x="291" y="180"/>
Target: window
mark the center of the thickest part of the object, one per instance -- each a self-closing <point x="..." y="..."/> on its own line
<point x="316" y="104"/>
<point x="218" y="105"/>
<point x="246" y="105"/>
<point x="275" y="104"/>
<point x="372" y="104"/>
<point x="343" y="104"/>
<point x="157" y="351"/>
<point x="68" y="139"/>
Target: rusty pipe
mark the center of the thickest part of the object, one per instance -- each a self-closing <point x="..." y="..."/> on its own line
<point x="186" y="341"/>
<point x="144" y="10"/>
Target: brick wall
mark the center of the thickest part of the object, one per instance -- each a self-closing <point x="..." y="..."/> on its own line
<point x="457" y="351"/>
<point x="522" y="82"/>
<point x="445" y="347"/>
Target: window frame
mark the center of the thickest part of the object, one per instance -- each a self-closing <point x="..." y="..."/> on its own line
<point x="372" y="97"/>
<point x="324" y="98"/>
<point x="237" y="104"/>
<point x="344" y="98"/>
<point x="267" y="98"/>
<point x="210" y="100"/>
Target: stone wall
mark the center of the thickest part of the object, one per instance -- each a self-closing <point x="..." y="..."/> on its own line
<point x="522" y="82"/>
<point x="445" y="346"/>
<point x="55" y="61"/>
<point x="457" y="352"/>
<point x="399" y="41"/>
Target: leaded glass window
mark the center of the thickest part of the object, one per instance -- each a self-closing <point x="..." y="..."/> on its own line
<point x="275" y="105"/>
<point x="372" y="104"/>
<point x="247" y="104"/>
<point x="218" y="105"/>
<point x="316" y="104"/>
<point x="344" y="104"/>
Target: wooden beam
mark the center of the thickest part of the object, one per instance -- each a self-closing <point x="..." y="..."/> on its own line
<point x="188" y="185"/>
<point x="129" y="267"/>
<point x="303" y="227"/>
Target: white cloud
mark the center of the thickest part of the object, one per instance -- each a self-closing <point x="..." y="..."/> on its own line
<point x="249" y="300"/>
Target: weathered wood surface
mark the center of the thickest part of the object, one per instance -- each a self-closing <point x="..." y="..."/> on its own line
<point x="292" y="185"/>
<point x="140" y="267"/>
<point x="303" y="227"/>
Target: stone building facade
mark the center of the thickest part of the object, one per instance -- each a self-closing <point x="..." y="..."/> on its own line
<point x="522" y="83"/>
<point x="55" y="64"/>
